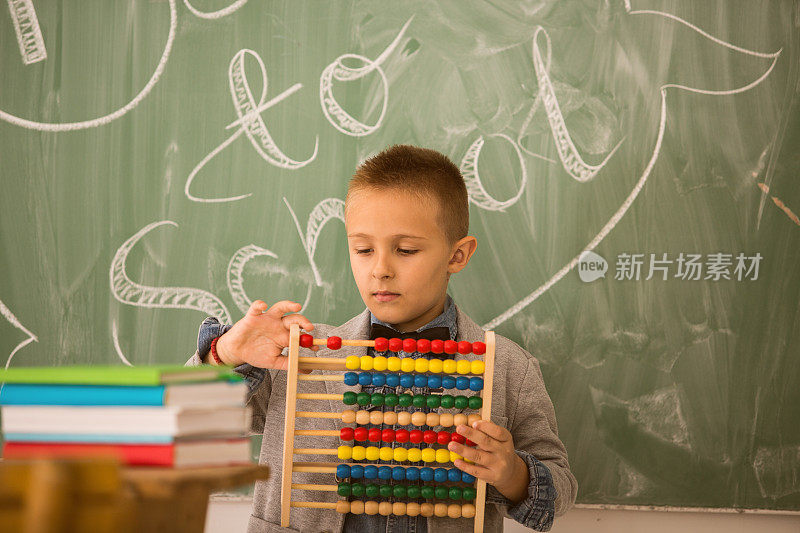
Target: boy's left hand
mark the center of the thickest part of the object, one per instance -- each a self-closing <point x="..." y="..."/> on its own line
<point x="493" y="458"/>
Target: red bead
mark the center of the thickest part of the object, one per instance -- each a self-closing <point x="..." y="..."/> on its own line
<point x="478" y="348"/>
<point x="423" y="346"/>
<point x="395" y="344"/>
<point x="401" y="435"/>
<point x="437" y="346"/>
<point x="415" y="436"/>
<point x="443" y="437"/>
<point x="334" y="343"/>
<point x="374" y="435"/>
<point x="464" y="347"/>
<point x="381" y="344"/>
<point x="457" y="437"/>
<point x="346" y="433"/>
<point x="470" y="443"/>
<point x="360" y="433"/>
<point x="387" y="435"/>
<point x="450" y="347"/>
<point x="409" y="345"/>
<point x="306" y="340"/>
<point x="429" y="436"/>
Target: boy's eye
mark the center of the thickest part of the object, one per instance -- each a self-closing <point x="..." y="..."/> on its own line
<point x="406" y="251"/>
<point x="363" y="250"/>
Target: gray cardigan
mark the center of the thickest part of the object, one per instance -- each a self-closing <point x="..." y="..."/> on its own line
<point x="519" y="403"/>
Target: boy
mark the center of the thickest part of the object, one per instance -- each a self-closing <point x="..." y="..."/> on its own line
<point x="407" y="217"/>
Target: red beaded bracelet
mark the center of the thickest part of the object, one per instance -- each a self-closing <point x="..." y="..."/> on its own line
<point x="213" y="351"/>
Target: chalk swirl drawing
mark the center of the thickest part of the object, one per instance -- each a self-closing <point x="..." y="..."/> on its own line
<point x="100" y="121"/>
<point x="250" y="123"/>
<point x="214" y="14"/>
<point x="29" y="34"/>
<point x="626" y="204"/>
<point x="477" y="193"/>
<point x="335" y="113"/>
<point x="234" y="273"/>
<point x="8" y="315"/>
<point x="129" y="292"/>
<point x="117" y="347"/>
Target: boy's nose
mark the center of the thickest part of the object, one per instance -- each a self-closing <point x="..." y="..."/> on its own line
<point x="382" y="269"/>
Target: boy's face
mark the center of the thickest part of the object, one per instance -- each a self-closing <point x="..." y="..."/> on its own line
<point x="400" y="256"/>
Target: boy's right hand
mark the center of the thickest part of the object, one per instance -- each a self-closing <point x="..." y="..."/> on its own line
<point x="261" y="335"/>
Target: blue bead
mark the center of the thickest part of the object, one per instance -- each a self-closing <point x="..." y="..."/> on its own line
<point x="434" y="381"/>
<point x="357" y="471"/>
<point x="370" y="472"/>
<point x="365" y="378"/>
<point x="406" y="380"/>
<point x="398" y="473"/>
<point x="440" y="475"/>
<point x="378" y="379"/>
<point x="392" y="380"/>
<point x="467" y="478"/>
<point x="462" y="382"/>
<point x="454" y="475"/>
<point x="412" y="473"/>
<point x="342" y="471"/>
<point x="426" y="474"/>
<point x="448" y="382"/>
<point x="350" y="378"/>
<point x="476" y="384"/>
<point x="420" y="380"/>
<point x="385" y="472"/>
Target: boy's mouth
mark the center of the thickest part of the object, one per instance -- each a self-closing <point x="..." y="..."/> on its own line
<point x="385" y="296"/>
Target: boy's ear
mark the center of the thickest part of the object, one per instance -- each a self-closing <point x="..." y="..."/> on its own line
<point x="462" y="252"/>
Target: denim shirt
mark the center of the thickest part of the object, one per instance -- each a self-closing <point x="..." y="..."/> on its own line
<point x="536" y="511"/>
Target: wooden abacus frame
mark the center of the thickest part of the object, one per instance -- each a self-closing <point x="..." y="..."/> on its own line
<point x="335" y="363"/>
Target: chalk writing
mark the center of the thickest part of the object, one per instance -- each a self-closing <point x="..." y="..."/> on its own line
<point x="29" y="34"/>
<point x="477" y="193"/>
<point x="234" y="273"/>
<point x="8" y="315"/>
<point x="214" y="14"/>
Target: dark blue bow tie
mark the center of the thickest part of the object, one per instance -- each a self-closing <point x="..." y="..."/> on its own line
<point x="379" y="330"/>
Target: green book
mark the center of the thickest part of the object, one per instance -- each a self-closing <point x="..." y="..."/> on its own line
<point x="117" y="375"/>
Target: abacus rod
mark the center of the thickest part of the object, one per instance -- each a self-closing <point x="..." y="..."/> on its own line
<point x="318" y="432"/>
<point x="486" y="414"/>
<point x="321" y="377"/>
<point x="288" y="422"/>
<point x="319" y="396"/>
<point x="317" y="414"/>
<point x="314" y="486"/>
<point x="314" y="505"/>
<point x="347" y="342"/>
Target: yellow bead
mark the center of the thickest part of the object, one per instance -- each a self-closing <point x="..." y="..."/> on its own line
<point x="403" y="418"/>
<point x="352" y="362"/>
<point x="344" y="452"/>
<point x="366" y="362"/>
<point x="375" y="417"/>
<point x="386" y="453"/>
<point x="428" y="455"/>
<point x="414" y="454"/>
<point x="421" y="365"/>
<point x="454" y="456"/>
<point x="380" y="363"/>
<point x="458" y="419"/>
<point x="440" y="509"/>
<point x="359" y="453"/>
<point x="449" y="366"/>
<point x="385" y="508"/>
<point x="463" y="366"/>
<point x="435" y="366"/>
<point x="393" y="364"/>
<point x="471" y="419"/>
<point x="442" y="455"/>
<point x="418" y="418"/>
<point x="477" y="367"/>
<point x="407" y="364"/>
<point x="400" y="454"/>
<point x="362" y="417"/>
<point x="373" y="453"/>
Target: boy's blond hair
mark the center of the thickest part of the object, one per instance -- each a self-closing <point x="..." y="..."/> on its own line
<point x="420" y="171"/>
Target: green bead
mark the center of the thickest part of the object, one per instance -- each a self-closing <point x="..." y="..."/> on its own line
<point x="418" y="401"/>
<point x="461" y="402"/>
<point x="363" y="398"/>
<point x="413" y="491"/>
<point x="448" y="401"/>
<point x="441" y="492"/>
<point x="433" y="401"/>
<point x="373" y="490"/>
<point x="358" y="489"/>
<point x="386" y="491"/>
<point x="349" y="398"/>
<point x="475" y="402"/>
<point x="399" y="491"/>
<point x="469" y="493"/>
<point x="390" y="399"/>
<point x="344" y="489"/>
<point x="376" y="399"/>
<point x="427" y="492"/>
<point x="454" y="493"/>
<point x="405" y="400"/>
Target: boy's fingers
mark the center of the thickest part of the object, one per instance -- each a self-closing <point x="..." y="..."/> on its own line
<point x="300" y="320"/>
<point x="479" y="457"/>
<point x="493" y="430"/>
<point x="257" y="308"/>
<point x="474" y="470"/>
<point x="281" y="308"/>
<point x="478" y="437"/>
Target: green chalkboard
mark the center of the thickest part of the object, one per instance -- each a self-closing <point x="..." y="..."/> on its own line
<point x="166" y="160"/>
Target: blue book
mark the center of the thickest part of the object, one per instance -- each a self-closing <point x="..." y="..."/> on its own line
<point x="94" y="438"/>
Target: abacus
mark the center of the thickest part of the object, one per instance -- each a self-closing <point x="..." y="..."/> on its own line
<point x="407" y="372"/>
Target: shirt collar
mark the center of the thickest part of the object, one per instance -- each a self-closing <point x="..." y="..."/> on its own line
<point x="446" y="319"/>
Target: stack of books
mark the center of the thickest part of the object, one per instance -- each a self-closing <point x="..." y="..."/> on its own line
<point x="146" y="416"/>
